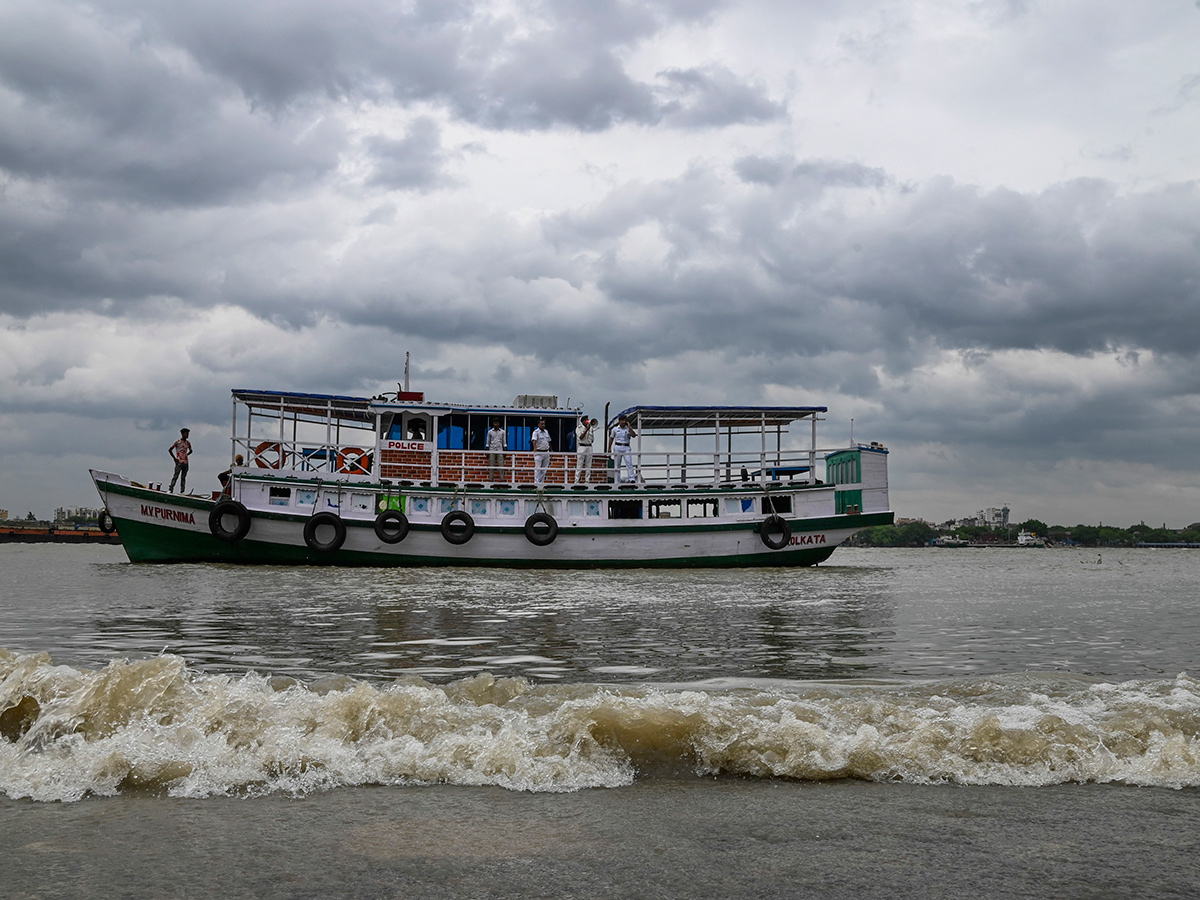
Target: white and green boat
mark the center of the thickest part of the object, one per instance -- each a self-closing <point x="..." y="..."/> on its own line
<point x="395" y="480"/>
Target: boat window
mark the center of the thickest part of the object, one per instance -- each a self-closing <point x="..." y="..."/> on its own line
<point x="777" y="504"/>
<point x="508" y="507"/>
<point x="535" y="506"/>
<point x="280" y="496"/>
<point x="452" y="432"/>
<point x="577" y="509"/>
<point x="624" y="509"/>
<point x="420" y="506"/>
<point x="479" y="507"/>
<point x="666" y="509"/>
<point x="736" y="505"/>
<point x="702" y="507"/>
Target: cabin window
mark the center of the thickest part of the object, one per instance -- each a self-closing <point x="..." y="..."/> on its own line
<point x="420" y="506"/>
<point x="452" y="432"/>
<point x="777" y="504"/>
<point x="449" y="504"/>
<point x="578" y="509"/>
<point x="306" y="498"/>
<point x="625" y="509"/>
<point x="546" y="506"/>
<point x="702" y="508"/>
<point x="666" y="509"/>
<point x="280" y="496"/>
<point x="737" y="505"/>
<point x="479" y="507"/>
<point x="508" y="507"/>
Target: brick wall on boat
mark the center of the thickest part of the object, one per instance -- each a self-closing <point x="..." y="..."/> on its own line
<point x="469" y="466"/>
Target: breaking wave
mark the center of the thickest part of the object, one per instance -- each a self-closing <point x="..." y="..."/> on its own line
<point x="157" y="725"/>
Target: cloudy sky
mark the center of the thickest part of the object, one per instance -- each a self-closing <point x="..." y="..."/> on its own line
<point x="973" y="226"/>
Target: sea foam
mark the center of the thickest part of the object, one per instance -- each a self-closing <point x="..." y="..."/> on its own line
<point x="157" y="725"/>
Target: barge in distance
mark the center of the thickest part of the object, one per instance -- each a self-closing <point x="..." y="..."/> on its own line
<point x="396" y="480"/>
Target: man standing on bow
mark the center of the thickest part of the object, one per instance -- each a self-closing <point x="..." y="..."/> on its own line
<point x="180" y="451"/>
<point x="539" y="443"/>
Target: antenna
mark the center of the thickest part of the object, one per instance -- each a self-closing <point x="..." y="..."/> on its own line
<point x="406" y="358"/>
<point x="851" y="432"/>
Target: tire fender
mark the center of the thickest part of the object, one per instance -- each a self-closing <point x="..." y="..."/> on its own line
<point x="459" y="535"/>
<point x="541" y="536"/>
<point x="776" y="524"/>
<point x="315" y="522"/>
<point x="391" y="526"/>
<point x="216" y="521"/>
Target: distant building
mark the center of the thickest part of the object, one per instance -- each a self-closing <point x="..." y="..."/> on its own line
<point x="75" y="512"/>
<point x="3" y="515"/>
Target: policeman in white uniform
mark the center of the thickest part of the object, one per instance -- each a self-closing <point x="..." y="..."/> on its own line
<point x="539" y="443"/>
<point x="618" y="445"/>
<point x="584" y="436"/>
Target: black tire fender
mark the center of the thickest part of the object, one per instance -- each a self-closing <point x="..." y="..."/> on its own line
<point x="778" y="524"/>
<point x="316" y="521"/>
<point x="539" y="537"/>
<point x="458" y="535"/>
<point x="216" y="521"/>
<point x="391" y="526"/>
<point x="106" y="522"/>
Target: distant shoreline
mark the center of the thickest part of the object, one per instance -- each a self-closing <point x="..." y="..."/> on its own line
<point x="10" y="534"/>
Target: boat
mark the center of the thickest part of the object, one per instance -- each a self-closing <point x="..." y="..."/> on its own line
<point x="949" y="540"/>
<point x="1029" y="539"/>
<point x="396" y="480"/>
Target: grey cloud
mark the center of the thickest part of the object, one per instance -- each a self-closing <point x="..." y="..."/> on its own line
<point x="713" y="97"/>
<point x="414" y="162"/>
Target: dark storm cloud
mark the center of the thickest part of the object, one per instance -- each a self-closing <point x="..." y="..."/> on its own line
<point x="106" y="116"/>
<point x="553" y="64"/>
<point x="1077" y="269"/>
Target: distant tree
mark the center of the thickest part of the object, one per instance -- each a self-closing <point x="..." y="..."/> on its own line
<point x="1036" y="526"/>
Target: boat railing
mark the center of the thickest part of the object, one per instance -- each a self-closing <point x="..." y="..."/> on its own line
<point x="338" y="461"/>
<point x="440" y="466"/>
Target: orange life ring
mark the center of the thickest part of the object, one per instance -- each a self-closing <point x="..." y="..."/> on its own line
<point x="270" y="447"/>
<point x="354" y="461"/>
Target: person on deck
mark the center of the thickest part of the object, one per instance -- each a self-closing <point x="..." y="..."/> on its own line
<point x="180" y="451"/>
<point x="539" y="443"/>
<point x="496" y="444"/>
<point x="618" y="445"/>
<point x="584" y="436"/>
<point x="226" y="477"/>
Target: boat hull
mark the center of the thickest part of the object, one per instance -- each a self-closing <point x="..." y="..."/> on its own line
<point x="159" y="527"/>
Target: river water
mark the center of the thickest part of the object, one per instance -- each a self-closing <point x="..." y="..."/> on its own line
<point x="920" y="723"/>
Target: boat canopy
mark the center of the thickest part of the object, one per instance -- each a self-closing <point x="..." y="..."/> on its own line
<point x="673" y="418"/>
<point x="319" y="406"/>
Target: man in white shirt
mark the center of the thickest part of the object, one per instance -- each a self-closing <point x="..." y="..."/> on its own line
<point x="618" y="445"/>
<point x="539" y="443"/>
<point x="584" y="436"/>
<point x="496" y="444"/>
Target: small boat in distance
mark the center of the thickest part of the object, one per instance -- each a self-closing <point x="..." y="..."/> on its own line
<point x="396" y="480"/>
<point x="1029" y="539"/>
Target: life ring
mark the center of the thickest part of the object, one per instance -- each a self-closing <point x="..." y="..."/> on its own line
<point x="544" y="535"/>
<point x="315" y="522"/>
<point x="775" y="523"/>
<point x="270" y="447"/>
<point x="391" y="526"/>
<point x="216" y="521"/>
<point x="461" y="534"/>
<point x="353" y="461"/>
<point x="106" y="522"/>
